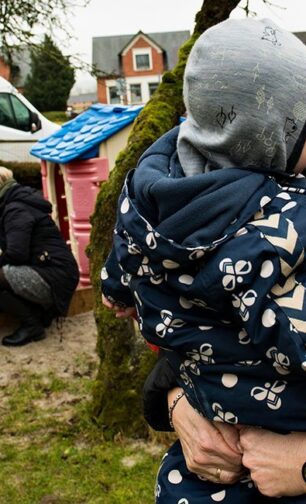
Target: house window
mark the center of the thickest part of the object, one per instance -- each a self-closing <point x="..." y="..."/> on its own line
<point x="136" y="96"/>
<point x="114" y="96"/>
<point x="152" y="87"/>
<point x="142" y="59"/>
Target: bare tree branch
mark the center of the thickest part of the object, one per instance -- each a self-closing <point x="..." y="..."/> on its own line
<point x="20" y="18"/>
<point x="272" y="4"/>
<point x="250" y="12"/>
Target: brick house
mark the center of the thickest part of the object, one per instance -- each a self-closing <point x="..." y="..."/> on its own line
<point x="80" y="102"/>
<point x="5" y="70"/>
<point x="132" y="66"/>
<point x="22" y="67"/>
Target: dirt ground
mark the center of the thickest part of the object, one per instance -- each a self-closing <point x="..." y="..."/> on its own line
<point x="57" y="353"/>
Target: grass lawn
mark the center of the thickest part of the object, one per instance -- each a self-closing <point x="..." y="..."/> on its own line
<point x="52" y="453"/>
<point x="57" y="117"/>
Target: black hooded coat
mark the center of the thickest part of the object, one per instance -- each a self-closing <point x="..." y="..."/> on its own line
<point x="29" y="236"/>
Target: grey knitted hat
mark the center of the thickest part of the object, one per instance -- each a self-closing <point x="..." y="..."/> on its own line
<point x="245" y="95"/>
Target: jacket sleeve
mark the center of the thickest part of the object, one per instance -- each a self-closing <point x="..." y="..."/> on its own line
<point x="155" y="393"/>
<point x="115" y="282"/>
<point x="262" y="276"/>
<point x="18" y="226"/>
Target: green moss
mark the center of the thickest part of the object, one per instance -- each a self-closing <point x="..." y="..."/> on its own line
<point x="168" y="78"/>
<point x="120" y="376"/>
<point x="117" y="402"/>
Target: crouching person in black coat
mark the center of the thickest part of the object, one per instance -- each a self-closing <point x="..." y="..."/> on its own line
<point x="38" y="273"/>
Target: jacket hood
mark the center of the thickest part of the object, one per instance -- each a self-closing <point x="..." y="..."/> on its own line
<point x="166" y="219"/>
<point x="26" y="195"/>
<point x="244" y="91"/>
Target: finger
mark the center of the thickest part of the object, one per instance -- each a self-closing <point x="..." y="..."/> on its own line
<point x="127" y="312"/>
<point x="207" y="465"/>
<point x="106" y="302"/>
<point x="224" y="457"/>
<point x="228" y="478"/>
<point x="232" y="463"/>
<point x="218" y="475"/>
<point x="122" y="314"/>
<point x="230" y="435"/>
<point x="205" y="456"/>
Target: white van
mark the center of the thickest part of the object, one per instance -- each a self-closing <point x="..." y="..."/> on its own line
<point x="21" y="125"/>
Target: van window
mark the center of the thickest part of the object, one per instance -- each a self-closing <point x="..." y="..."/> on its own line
<point x="6" y="112"/>
<point x="13" y="113"/>
<point x="22" y="114"/>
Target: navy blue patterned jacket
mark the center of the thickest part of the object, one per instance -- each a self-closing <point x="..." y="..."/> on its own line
<point x="215" y="266"/>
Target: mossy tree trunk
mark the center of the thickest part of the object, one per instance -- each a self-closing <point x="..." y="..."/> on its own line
<point x="124" y="359"/>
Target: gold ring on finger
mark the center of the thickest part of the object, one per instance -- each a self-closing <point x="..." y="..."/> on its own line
<point x="218" y="474"/>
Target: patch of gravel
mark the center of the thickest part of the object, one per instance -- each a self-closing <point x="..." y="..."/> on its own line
<point x="61" y="353"/>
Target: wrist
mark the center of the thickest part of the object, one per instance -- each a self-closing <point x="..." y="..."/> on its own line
<point x="172" y="394"/>
<point x="179" y="394"/>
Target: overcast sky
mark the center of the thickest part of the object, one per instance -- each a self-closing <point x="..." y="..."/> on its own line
<point x="118" y="17"/>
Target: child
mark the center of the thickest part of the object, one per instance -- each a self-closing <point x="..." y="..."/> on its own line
<point x="210" y="241"/>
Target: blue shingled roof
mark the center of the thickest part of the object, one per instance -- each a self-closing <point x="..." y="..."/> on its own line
<point x="80" y="138"/>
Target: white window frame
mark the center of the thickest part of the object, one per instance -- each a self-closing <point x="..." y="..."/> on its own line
<point x="143" y="80"/>
<point x="142" y="50"/>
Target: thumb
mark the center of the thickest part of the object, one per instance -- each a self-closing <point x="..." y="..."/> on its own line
<point x="231" y="436"/>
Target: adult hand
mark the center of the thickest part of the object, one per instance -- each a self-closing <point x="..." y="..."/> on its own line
<point x="208" y="447"/>
<point x="274" y="460"/>
<point x="130" y="311"/>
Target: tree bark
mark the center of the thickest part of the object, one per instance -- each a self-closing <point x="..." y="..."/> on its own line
<point x="124" y="359"/>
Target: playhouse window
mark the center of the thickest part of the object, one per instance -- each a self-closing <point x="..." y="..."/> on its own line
<point x="114" y="96"/>
<point x="136" y="96"/>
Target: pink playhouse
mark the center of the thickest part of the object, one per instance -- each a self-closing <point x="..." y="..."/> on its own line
<point x="74" y="162"/>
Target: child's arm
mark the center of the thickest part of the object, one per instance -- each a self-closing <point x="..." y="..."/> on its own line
<point x="130" y="311"/>
<point x="114" y="286"/>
